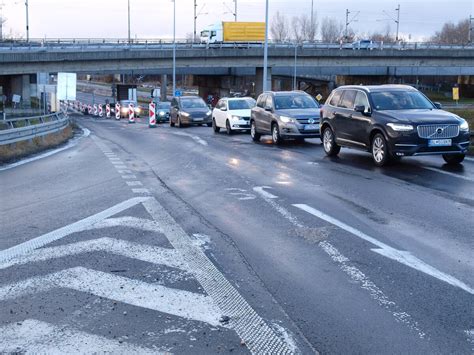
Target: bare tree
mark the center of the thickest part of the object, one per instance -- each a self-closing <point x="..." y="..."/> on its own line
<point x="386" y="36"/>
<point x="331" y="30"/>
<point x="453" y="33"/>
<point x="303" y="29"/>
<point x="279" y="27"/>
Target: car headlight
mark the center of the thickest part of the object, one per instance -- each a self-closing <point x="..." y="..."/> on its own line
<point x="236" y="118"/>
<point x="124" y="109"/>
<point x="161" y="113"/>
<point x="184" y="114"/>
<point x="464" y="126"/>
<point x="138" y="109"/>
<point x="209" y="113"/>
<point x="400" y="127"/>
<point x="287" y="119"/>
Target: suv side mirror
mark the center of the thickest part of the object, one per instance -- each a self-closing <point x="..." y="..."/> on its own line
<point x="268" y="108"/>
<point x="438" y="105"/>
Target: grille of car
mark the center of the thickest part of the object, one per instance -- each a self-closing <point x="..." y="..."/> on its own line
<point x="246" y="118"/>
<point x="306" y="120"/>
<point x="436" y="131"/>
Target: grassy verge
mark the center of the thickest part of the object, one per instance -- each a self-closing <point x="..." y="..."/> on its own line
<point x="15" y="151"/>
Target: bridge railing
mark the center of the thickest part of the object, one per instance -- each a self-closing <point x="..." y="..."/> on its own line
<point x="19" y="129"/>
<point x="80" y="44"/>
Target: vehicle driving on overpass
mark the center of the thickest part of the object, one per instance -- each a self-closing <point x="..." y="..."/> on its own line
<point x="391" y="121"/>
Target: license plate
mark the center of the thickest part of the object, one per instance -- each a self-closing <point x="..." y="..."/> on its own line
<point x="439" y="143"/>
<point x="198" y="119"/>
<point x="311" y="127"/>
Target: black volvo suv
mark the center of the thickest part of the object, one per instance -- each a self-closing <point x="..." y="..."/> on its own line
<point x="391" y="121"/>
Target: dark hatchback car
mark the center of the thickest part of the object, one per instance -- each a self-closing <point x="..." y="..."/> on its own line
<point x="189" y="110"/>
<point x="285" y="115"/>
<point x="391" y="121"/>
<point x="163" y="111"/>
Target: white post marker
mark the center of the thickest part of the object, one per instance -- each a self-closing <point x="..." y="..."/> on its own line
<point x="107" y="110"/>
<point x="101" y="110"/>
<point x="117" y="111"/>
<point x="96" y="112"/>
<point x="131" y="113"/>
<point x="152" y="115"/>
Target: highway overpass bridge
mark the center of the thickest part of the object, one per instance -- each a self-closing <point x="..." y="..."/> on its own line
<point x="234" y="60"/>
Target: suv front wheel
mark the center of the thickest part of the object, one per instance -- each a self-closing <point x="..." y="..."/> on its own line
<point x="380" y="152"/>
<point x="329" y="143"/>
<point x="276" y="138"/>
<point x="453" y="159"/>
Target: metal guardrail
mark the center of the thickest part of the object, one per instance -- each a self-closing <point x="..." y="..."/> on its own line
<point x="140" y="44"/>
<point x="47" y="124"/>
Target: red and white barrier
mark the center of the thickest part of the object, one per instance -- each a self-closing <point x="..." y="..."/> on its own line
<point x="131" y="113"/>
<point x="101" y="110"/>
<point x="96" y="110"/>
<point x="117" y="111"/>
<point x="89" y="109"/>
<point x="151" y="115"/>
<point x="107" y="110"/>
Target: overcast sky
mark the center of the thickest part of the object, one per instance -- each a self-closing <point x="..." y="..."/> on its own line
<point x="154" y="18"/>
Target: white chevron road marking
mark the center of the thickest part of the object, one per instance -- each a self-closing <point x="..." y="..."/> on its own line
<point x="36" y="337"/>
<point x="185" y="304"/>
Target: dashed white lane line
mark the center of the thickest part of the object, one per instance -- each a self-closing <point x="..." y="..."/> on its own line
<point x="141" y="191"/>
<point x="47" y="238"/>
<point x="128" y="177"/>
<point x="195" y="138"/>
<point x="120" y="166"/>
<point x="124" y="171"/>
<point x="32" y="336"/>
<point x="467" y="178"/>
<point x="403" y="257"/>
<point x="181" y="303"/>
<point x="133" y="183"/>
<point x="345" y="265"/>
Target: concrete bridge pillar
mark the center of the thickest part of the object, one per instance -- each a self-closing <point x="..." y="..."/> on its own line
<point x="164" y="84"/>
<point x="20" y="85"/>
<point x="259" y="80"/>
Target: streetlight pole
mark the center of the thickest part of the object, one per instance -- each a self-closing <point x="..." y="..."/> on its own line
<point x="129" y="21"/>
<point x="235" y="11"/>
<point x="312" y="14"/>
<point x="398" y="20"/>
<point x="469" y="34"/>
<point x="265" y="49"/>
<point x="195" y="19"/>
<point x="174" y="47"/>
<point x="27" y="23"/>
<point x="294" y="73"/>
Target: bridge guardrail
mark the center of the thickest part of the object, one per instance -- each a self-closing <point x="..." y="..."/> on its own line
<point x="47" y="124"/>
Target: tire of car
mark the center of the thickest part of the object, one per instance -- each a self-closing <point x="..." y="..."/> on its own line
<point x="276" y="138"/>
<point x="453" y="159"/>
<point x="379" y="149"/>
<point x="214" y="126"/>
<point x="209" y="124"/>
<point x="228" y="130"/>
<point x="179" y="124"/>
<point x="329" y="143"/>
<point x="171" y="123"/>
<point x="253" y="132"/>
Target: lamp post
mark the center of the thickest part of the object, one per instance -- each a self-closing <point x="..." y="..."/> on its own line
<point x="27" y="23"/>
<point x="174" y="47"/>
<point x="294" y="73"/>
<point x="128" y="21"/>
<point x="265" y="49"/>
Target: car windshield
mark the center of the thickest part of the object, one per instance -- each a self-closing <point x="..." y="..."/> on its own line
<point x="243" y="104"/>
<point x="400" y="100"/>
<point x="283" y="102"/>
<point x="204" y="33"/>
<point x="164" y="105"/>
<point x="193" y="103"/>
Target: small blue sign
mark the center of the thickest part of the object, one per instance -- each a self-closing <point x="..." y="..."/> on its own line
<point x="177" y="93"/>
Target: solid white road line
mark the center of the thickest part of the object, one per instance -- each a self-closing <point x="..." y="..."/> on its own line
<point x="32" y="336"/>
<point x="128" y="177"/>
<point x="467" y="178"/>
<point x="146" y="253"/>
<point x="352" y="271"/>
<point x="141" y="191"/>
<point x="134" y="183"/>
<point x="403" y="257"/>
<point x="124" y="171"/>
<point x="47" y="238"/>
<point x="185" y="304"/>
<point x="252" y="329"/>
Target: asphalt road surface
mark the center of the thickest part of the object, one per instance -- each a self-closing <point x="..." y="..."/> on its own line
<point x="182" y="240"/>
